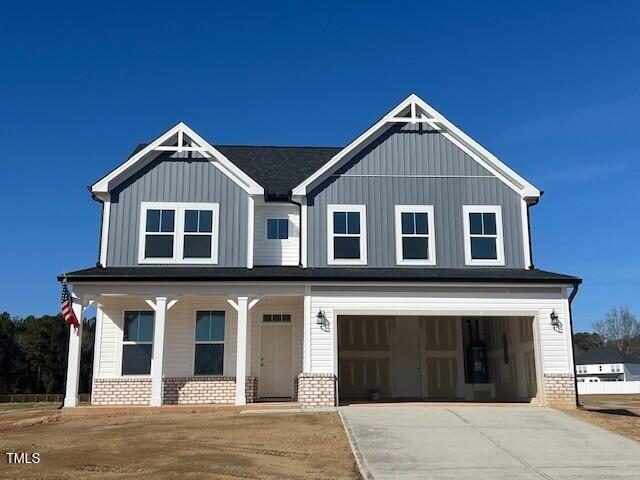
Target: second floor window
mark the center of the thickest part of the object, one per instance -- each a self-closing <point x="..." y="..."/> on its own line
<point x="137" y="342"/>
<point x="178" y="233"/>
<point x="483" y="235"/>
<point x="415" y="236"/>
<point x="277" y="228"/>
<point x="346" y="235"/>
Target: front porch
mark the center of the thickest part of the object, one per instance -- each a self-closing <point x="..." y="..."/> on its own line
<point x="196" y="348"/>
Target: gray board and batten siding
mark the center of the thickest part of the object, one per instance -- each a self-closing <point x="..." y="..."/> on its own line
<point x="407" y="165"/>
<point x="170" y="179"/>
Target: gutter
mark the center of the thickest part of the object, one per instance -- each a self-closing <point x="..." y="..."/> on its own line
<point x="574" y="292"/>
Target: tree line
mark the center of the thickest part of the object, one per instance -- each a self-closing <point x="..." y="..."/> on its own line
<point x="33" y="354"/>
<point x="619" y="329"/>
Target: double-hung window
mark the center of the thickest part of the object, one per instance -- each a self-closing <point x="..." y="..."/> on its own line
<point x="346" y="235"/>
<point x="209" y="343"/>
<point x="415" y="236"/>
<point x="178" y="233"/>
<point x="484" y="244"/>
<point x="137" y="343"/>
<point x="277" y="228"/>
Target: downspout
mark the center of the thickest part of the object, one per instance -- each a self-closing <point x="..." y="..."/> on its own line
<point x="574" y="292"/>
<point x="289" y="200"/>
<point x="533" y="203"/>
<point x="98" y="264"/>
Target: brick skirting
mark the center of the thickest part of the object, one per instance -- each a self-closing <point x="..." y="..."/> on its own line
<point x="560" y="390"/>
<point x="175" y="390"/>
<point x="121" y="391"/>
<point x="316" y="390"/>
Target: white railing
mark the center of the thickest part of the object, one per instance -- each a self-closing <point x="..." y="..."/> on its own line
<point x="593" y="388"/>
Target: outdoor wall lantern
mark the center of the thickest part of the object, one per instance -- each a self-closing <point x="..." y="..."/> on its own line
<point x="555" y="322"/>
<point x="322" y="320"/>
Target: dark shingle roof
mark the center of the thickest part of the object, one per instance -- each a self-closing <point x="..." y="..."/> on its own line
<point x="327" y="274"/>
<point x="605" y="355"/>
<point x="277" y="169"/>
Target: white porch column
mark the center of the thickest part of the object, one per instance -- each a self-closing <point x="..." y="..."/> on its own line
<point x="241" y="351"/>
<point x="73" y="360"/>
<point x="158" y="351"/>
<point x="306" y="331"/>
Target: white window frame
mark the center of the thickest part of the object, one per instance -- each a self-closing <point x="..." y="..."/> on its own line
<point x="210" y="342"/>
<point x="266" y="229"/>
<point x="131" y="342"/>
<point x="431" y="242"/>
<point x="497" y="210"/>
<point x="362" y="209"/>
<point x="178" y="236"/>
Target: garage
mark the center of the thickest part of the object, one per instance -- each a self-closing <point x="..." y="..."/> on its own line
<point x="436" y="358"/>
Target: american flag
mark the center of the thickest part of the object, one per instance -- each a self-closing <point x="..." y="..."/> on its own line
<point x="66" y="307"/>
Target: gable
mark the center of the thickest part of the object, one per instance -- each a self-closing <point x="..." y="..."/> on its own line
<point x="413" y="150"/>
<point x="416" y="112"/>
<point x="180" y="139"/>
<point x="172" y="177"/>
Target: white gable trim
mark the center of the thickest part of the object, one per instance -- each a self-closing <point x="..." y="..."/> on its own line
<point x="421" y="112"/>
<point x="197" y="144"/>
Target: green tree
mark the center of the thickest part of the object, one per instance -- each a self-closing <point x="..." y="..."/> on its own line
<point x="583" y="341"/>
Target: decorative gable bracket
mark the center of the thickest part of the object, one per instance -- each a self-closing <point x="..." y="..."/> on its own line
<point x="178" y="139"/>
<point x="414" y="110"/>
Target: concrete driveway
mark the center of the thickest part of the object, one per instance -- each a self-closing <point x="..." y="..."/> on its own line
<point x="471" y="442"/>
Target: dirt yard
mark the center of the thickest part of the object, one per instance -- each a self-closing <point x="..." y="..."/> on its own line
<point x="170" y="444"/>
<point x="618" y="413"/>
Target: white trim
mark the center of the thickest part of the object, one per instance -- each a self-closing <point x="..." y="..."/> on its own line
<point x="431" y="236"/>
<point x="157" y="351"/>
<point x="250" y="225"/>
<point x="497" y="210"/>
<point x="179" y="131"/>
<point x="306" y="330"/>
<point x="211" y="342"/>
<point x="104" y="234"/>
<point x="526" y="245"/>
<point x="262" y="324"/>
<point x="123" y="342"/>
<point x="436" y="120"/>
<point x="241" y="350"/>
<point x="303" y="233"/>
<point x="362" y="210"/>
<point x="266" y="228"/>
<point x="178" y="234"/>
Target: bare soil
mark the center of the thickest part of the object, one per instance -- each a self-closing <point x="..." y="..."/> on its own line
<point x="618" y="413"/>
<point x="176" y="444"/>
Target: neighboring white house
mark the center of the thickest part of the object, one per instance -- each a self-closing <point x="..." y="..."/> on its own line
<point x="606" y="364"/>
<point x="399" y="266"/>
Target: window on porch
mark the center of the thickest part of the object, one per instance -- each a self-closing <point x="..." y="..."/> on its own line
<point x="137" y="343"/>
<point x="209" y="348"/>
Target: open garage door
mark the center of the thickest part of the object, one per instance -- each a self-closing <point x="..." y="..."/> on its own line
<point x="436" y="358"/>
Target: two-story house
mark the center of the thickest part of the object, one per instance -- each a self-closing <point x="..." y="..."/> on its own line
<point x="397" y="267"/>
<point x="607" y="364"/>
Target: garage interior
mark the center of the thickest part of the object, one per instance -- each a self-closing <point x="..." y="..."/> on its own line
<point x="429" y="358"/>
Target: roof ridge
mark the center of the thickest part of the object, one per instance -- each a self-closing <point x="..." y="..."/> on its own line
<point x="278" y="146"/>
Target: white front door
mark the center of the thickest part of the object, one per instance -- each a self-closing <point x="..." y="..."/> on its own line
<point x="407" y="378"/>
<point x="276" y="377"/>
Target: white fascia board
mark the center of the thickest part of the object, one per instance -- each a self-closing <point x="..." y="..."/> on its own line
<point x="449" y="130"/>
<point x="208" y="151"/>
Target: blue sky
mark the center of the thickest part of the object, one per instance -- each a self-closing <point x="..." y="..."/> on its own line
<point x="552" y="88"/>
